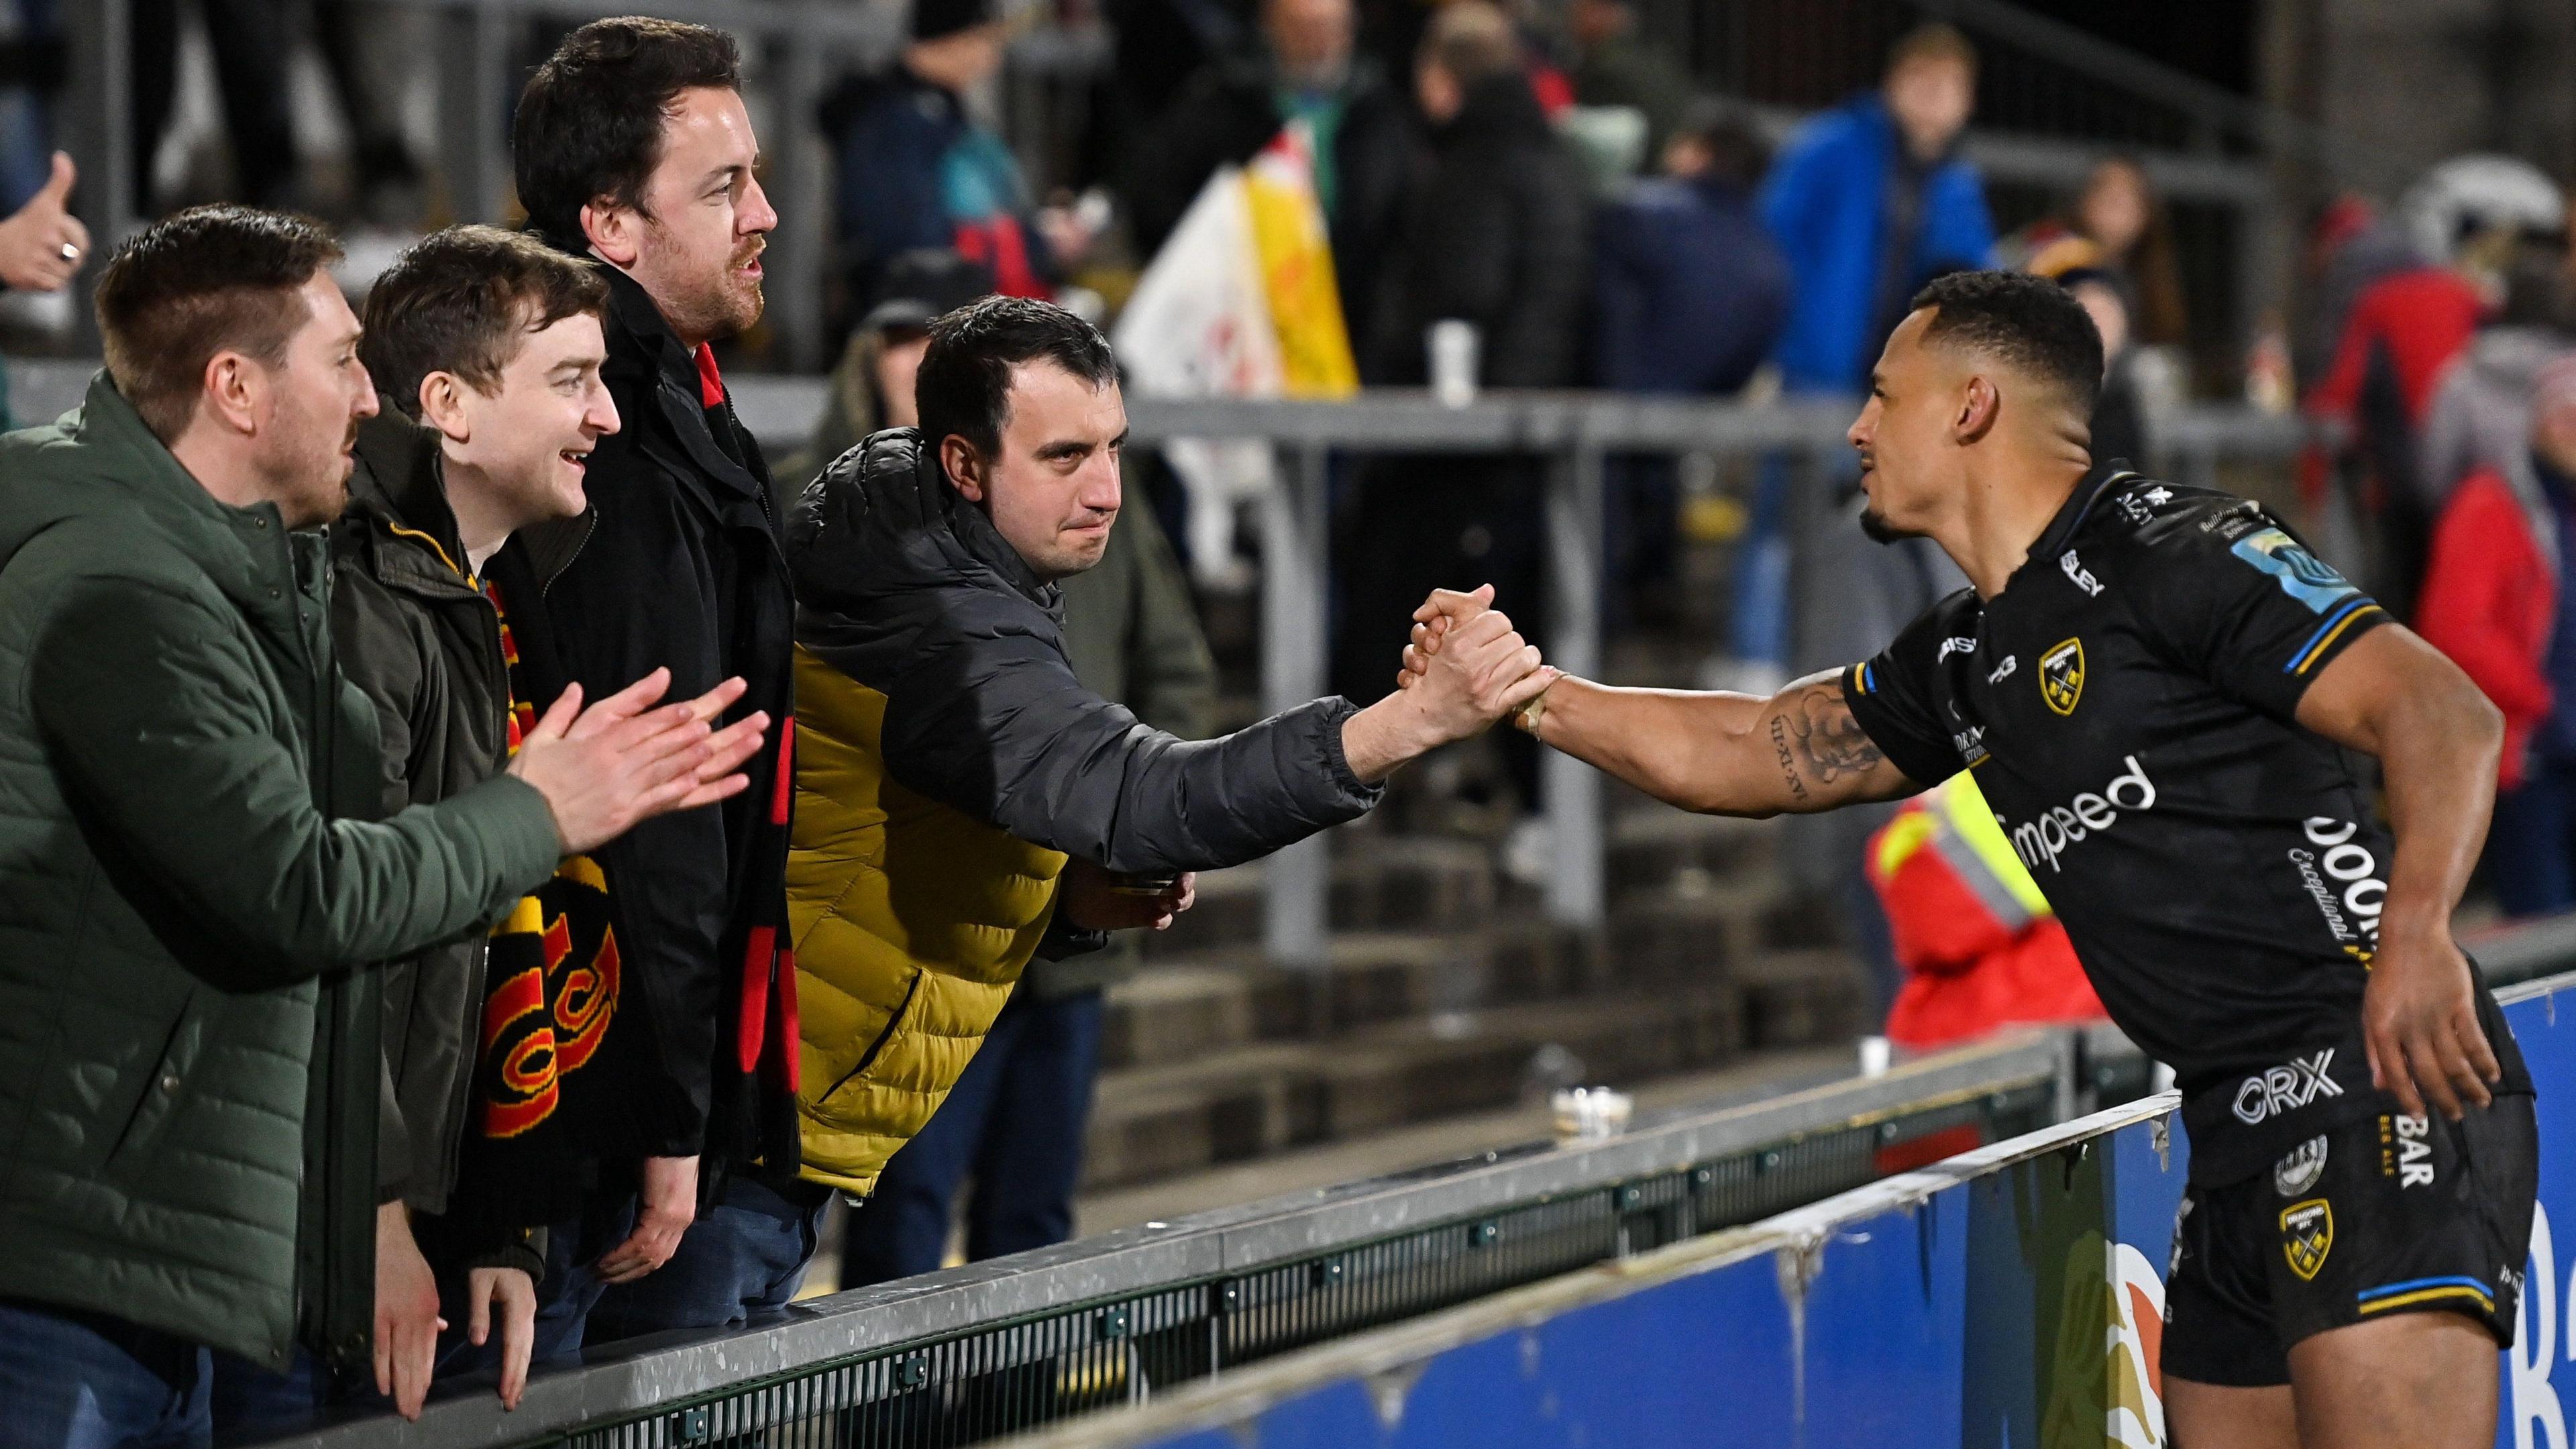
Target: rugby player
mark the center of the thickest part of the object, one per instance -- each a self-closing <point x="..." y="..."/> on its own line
<point x="2163" y="694"/>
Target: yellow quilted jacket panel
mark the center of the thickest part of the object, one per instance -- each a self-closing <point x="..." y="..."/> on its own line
<point x="911" y="920"/>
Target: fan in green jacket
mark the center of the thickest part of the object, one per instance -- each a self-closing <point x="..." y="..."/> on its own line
<point x="189" y="860"/>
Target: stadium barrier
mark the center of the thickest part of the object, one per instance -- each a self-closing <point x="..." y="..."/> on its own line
<point x="2011" y="1295"/>
<point x="1279" y="1307"/>
<point x="1016" y="1343"/>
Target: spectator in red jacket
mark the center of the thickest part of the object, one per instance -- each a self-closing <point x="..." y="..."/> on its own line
<point x="2469" y="216"/>
<point x="1980" y="947"/>
<point x="2494" y="601"/>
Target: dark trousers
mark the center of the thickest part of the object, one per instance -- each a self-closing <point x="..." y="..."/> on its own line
<point x="1015" y="1122"/>
<point x="250" y="41"/>
<point x="73" y="1380"/>
<point x="567" y="1290"/>
<point x="2531" y="846"/>
<point x="745" y="1254"/>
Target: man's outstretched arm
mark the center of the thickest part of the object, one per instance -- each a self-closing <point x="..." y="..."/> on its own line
<point x="1795" y="752"/>
<point x="2394" y="696"/>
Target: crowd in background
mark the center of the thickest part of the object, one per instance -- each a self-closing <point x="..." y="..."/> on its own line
<point x="1466" y="173"/>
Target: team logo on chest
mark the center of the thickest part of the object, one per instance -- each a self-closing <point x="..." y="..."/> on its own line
<point x="2061" y="676"/>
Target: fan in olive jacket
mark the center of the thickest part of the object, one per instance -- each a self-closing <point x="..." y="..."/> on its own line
<point x="188" y="879"/>
<point x="948" y="763"/>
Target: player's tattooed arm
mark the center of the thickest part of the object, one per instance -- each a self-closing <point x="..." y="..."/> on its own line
<point x="1819" y="742"/>
<point x="1726" y="754"/>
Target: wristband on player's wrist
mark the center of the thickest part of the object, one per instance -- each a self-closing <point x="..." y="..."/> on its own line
<point x="1527" y="717"/>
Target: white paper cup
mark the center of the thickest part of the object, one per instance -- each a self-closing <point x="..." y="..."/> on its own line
<point x="1454" y="347"/>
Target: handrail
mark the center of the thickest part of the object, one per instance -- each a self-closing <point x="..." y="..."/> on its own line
<point x="781" y="411"/>
<point x="627" y="1379"/>
<point x="1796" y="1231"/>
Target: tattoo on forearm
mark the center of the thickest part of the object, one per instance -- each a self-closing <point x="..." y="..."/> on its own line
<point x="1788" y="760"/>
<point x="1829" y="744"/>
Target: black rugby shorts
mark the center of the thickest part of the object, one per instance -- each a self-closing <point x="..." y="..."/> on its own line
<point x="2383" y="1215"/>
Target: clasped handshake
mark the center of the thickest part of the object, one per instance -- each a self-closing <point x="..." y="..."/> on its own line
<point x="623" y="759"/>
<point x="1468" y="665"/>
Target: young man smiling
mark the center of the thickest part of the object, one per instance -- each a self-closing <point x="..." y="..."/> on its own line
<point x="635" y="154"/>
<point x="487" y="346"/>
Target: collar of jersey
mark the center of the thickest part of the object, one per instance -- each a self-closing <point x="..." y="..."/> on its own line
<point x="2071" y="513"/>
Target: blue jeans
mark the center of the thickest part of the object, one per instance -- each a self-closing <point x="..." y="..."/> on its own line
<point x="84" y="1381"/>
<point x="566" y="1288"/>
<point x="250" y="1403"/>
<point x="1758" y="624"/>
<point x="746" y="1254"/>
<point x="2531" y="846"/>
<point x="1015" y="1120"/>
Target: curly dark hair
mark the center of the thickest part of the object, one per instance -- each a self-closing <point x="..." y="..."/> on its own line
<point x="589" y="124"/>
<point x="964" y="385"/>
<point x="2029" y="324"/>
<point x="206" y="280"/>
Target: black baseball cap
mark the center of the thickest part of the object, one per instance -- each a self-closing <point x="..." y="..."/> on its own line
<point x="924" y="284"/>
<point x="932" y="19"/>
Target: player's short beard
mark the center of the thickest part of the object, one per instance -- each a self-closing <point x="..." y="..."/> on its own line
<point x="1875" y="527"/>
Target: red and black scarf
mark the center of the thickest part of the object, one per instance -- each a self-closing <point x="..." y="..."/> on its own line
<point x="544" y="1110"/>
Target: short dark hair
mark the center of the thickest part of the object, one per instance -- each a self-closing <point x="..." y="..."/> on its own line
<point x="964" y="385"/>
<point x="590" y="122"/>
<point x="2030" y="324"/>
<point x="462" y="301"/>
<point x="1736" y="153"/>
<point x="209" y="279"/>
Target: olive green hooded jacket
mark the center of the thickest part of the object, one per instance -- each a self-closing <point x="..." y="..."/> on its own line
<point x="188" y="1063"/>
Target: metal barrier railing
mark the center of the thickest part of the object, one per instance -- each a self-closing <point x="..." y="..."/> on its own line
<point x="1014" y="1343"/>
<point x="2058" y="1197"/>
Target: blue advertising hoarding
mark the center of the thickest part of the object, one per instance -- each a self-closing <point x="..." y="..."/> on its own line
<point x="2010" y="1297"/>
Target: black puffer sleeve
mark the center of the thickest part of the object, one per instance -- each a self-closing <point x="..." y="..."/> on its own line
<point x="992" y="721"/>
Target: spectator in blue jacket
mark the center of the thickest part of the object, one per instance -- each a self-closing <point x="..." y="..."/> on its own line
<point x="1870" y="202"/>
<point x="913" y="170"/>
<point x="1690" y="292"/>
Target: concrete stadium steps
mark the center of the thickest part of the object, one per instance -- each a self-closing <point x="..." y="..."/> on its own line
<point x="1380" y="883"/>
<point x="1261" y="1098"/>
<point x="1183" y="1007"/>
<point x="1448" y="992"/>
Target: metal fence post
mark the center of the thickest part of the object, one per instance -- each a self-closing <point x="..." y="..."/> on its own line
<point x="474" y="63"/>
<point x="1570" y="788"/>
<point x="1298" y="880"/>
<point x="800" y="189"/>
<point x="96" y="126"/>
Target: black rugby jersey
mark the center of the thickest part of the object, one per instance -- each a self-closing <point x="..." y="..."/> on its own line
<point x="2127" y="703"/>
